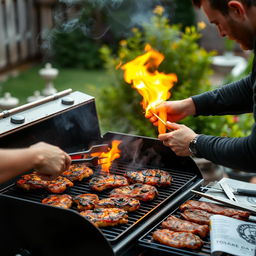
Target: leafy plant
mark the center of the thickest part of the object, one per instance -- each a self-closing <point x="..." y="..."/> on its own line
<point x="119" y="105"/>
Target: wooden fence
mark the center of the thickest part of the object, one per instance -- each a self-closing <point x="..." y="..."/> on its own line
<point x="21" y="24"/>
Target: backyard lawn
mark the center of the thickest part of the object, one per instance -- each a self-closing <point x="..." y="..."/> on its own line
<point x="28" y="81"/>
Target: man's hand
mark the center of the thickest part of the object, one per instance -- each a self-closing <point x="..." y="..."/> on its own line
<point x="178" y="140"/>
<point x="50" y="161"/>
<point x="175" y="110"/>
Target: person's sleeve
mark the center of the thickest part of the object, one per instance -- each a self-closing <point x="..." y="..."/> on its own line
<point x="233" y="98"/>
<point x="238" y="153"/>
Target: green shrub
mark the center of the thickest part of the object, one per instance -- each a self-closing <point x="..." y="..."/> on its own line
<point x="74" y="49"/>
<point x="119" y="104"/>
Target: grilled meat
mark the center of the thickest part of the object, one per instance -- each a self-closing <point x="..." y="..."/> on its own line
<point x="197" y="216"/>
<point x="127" y="204"/>
<point x="153" y="177"/>
<point x="59" y="185"/>
<point x="175" y="224"/>
<point x="63" y="201"/>
<point x="103" y="217"/>
<point x="33" y="181"/>
<point x="177" y="239"/>
<point x="78" y="172"/>
<point x="101" y="183"/>
<point x="85" y="201"/>
<point x="142" y="192"/>
<point x="214" y="208"/>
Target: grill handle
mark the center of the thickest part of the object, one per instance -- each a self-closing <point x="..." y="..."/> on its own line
<point x="55" y="96"/>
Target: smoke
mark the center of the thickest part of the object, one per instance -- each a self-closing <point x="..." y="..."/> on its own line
<point x="119" y="16"/>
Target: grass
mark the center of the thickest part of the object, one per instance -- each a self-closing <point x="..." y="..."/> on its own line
<point x="28" y="81"/>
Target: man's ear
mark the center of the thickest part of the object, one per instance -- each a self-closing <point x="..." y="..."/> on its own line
<point x="236" y="9"/>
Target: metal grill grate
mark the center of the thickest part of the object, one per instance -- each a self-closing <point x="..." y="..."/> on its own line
<point x="180" y="180"/>
<point x="147" y="241"/>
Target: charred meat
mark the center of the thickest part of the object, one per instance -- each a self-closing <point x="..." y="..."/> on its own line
<point x="153" y="177"/>
<point x="125" y="203"/>
<point x="33" y="181"/>
<point x="103" y="217"/>
<point x="197" y="216"/>
<point x="101" y="183"/>
<point x="142" y="192"/>
<point x="78" y="172"/>
<point x="63" y="201"/>
<point x="85" y="201"/>
<point x="175" y="224"/>
<point x="59" y="185"/>
<point x="215" y="209"/>
<point x="177" y="239"/>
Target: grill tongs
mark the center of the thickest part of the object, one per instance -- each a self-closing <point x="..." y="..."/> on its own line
<point x="90" y="156"/>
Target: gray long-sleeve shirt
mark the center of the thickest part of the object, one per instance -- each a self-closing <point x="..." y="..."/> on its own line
<point x="235" y="98"/>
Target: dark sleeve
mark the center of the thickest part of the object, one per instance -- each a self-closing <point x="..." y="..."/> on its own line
<point x="238" y="153"/>
<point x="233" y="98"/>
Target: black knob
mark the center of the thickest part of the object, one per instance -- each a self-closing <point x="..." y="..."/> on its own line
<point x="17" y="119"/>
<point x="67" y="101"/>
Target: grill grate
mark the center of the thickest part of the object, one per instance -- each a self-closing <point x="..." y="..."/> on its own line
<point x="147" y="241"/>
<point x="180" y="180"/>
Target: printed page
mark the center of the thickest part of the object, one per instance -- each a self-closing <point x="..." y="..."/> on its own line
<point x="232" y="236"/>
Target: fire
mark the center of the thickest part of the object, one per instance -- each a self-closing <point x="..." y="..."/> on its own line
<point x="106" y="158"/>
<point x="154" y="86"/>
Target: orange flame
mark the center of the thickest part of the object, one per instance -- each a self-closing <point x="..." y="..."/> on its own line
<point x="154" y="86"/>
<point x="106" y="158"/>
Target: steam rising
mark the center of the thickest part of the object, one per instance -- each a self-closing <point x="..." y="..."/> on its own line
<point x="119" y="17"/>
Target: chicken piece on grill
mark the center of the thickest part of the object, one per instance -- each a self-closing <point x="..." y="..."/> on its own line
<point x="85" y="201"/>
<point x="142" y="192"/>
<point x="125" y="203"/>
<point x="215" y="209"/>
<point x="197" y="216"/>
<point x="153" y="177"/>
<point x="31" y="181"/>
<point x="59" y="185"/>
<point x="34" y="181"/>
<point x="175" y="224"/>
<point x="101" y="183"/>
<point x="78" y="172"/>
<point x="177" y="239"/>
<point x="103" y="217"/>
<point x="63" y="201"/>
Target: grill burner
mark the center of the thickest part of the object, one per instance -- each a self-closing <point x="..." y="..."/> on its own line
<point x="180" y="179"/>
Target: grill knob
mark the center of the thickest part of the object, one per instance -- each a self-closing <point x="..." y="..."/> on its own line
<point x="17" y="119"/>
<point x="67" y="101"/>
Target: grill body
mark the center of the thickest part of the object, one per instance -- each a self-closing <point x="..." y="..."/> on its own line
<point x="44" y="230"/>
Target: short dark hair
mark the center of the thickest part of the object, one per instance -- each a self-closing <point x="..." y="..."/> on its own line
<point x="222" y="5"/>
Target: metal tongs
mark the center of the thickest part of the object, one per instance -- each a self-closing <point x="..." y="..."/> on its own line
<point x="91" y="156"/>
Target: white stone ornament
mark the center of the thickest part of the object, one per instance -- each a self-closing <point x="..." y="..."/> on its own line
<point x="8" y="102"/>
<point x="48" y="73"/>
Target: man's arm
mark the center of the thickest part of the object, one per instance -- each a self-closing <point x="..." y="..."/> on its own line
<point x="47" y="159"/>
<point x="234" y="98"/>
<point x="238" y="153"/>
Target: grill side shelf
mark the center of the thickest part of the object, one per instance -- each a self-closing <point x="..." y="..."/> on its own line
<point x="147" y="241"/>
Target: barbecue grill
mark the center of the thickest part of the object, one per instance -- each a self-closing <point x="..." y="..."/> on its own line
<point x="69" y="120"/>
